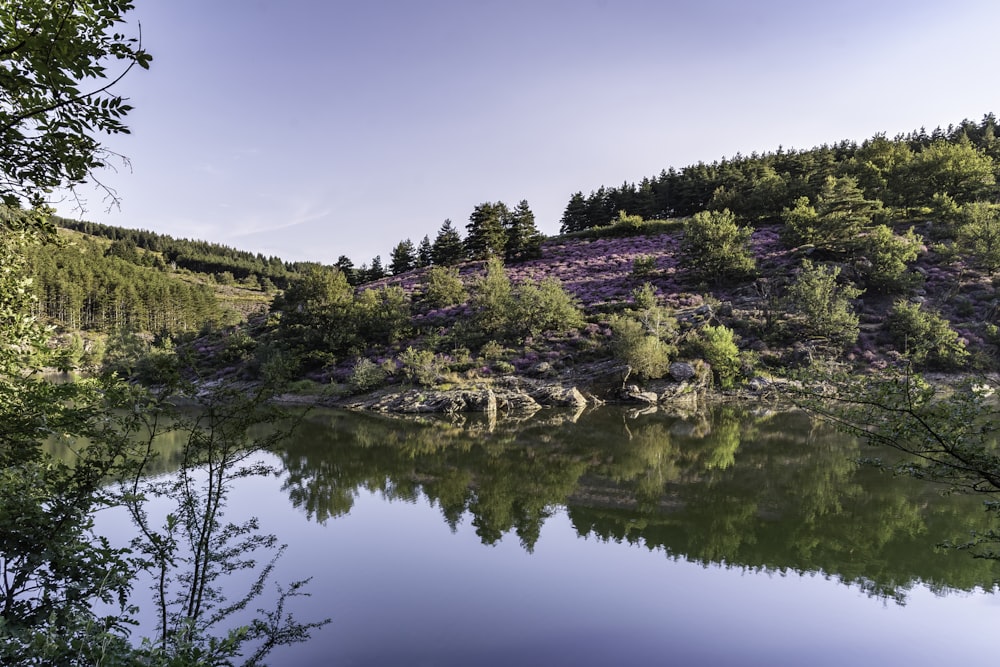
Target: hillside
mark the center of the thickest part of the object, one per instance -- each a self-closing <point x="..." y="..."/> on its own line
<point x="866" y="254"/>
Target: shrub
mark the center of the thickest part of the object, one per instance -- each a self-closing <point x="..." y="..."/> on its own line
<point x="718" y="346"/>
<point x="421" y="366"/>
<point x="443" y="287"/>
<point x="493" y="351"/>
<point x="887" y="255"/>
<point x="366" y="375"/>
<point x="926" y="336"/>
<point x="544" y="306"/>
<point x="643" y="266"/>
<point x="841" y="212"/>
<point x="823" y="307"/>
<point x="715" y="249"/>
<point x="647" y="355"/>
<point x="979" y="234"/>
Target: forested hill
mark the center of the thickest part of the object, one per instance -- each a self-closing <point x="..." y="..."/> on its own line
<point x="198" y="256"/>
<point x="904" y="172"/>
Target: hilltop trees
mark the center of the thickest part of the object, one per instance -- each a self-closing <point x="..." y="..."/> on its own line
<point x="486" y="232"/>
<point x="448" y="248"/>
<point x="403" y="258"/>
<point x="839" y="215"/>
<point x="523" y="240"/>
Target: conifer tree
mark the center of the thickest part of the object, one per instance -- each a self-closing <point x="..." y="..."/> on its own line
<point x="424" y="251"/>
<point x="403" y="258"/>
<point x="448" y="248"/>
<point x="487" y="236"/>
<point x="574" y="218"/>
<point x="523" y="238"/>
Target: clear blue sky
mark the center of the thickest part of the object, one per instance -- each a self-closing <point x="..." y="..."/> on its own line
<point x="309" y="129"/>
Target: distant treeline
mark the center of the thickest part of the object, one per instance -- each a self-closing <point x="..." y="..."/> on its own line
<point x="86" y="285"/>
<point x="199" y="256"/>
<point x="907" y="171"/>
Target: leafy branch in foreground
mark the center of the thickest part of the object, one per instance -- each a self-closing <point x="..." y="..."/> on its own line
<point x="949" y="435"/>
<point x="192" y="550"/>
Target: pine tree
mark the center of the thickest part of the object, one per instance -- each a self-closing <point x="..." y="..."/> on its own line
<point x="486" y="236"/>
<point x="377" y="271"/>
<point x="448" y="248"/>
<point x="346" y="267"/>
<point x="523" y="238"/>
<point x="424" y="251"/>
<point x="574" y="218"/>
<point x="403" y="258"/>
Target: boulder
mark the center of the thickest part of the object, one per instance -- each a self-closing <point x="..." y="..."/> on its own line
<point x="682" y="371"/>
<point x="557" y="396"/>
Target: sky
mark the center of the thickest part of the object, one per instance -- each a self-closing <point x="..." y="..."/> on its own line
<point x="310" y="129"/>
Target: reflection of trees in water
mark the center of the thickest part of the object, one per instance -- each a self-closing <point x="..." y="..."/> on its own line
<point x="773" y="491"/>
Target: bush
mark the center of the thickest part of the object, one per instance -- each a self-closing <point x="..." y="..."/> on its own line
<point x="718" y="346"/>
<point x="643" y="266"/>
<point x="544" y="306"/>
<point x="647" y="355"/>
<point x="823" y="307"/>
<point x="715" y="249"/>
<point x="421" y="366"/>
<point x="366" y="375"/>
<point x="888" y="254"/>
<point x="926" y="337"/>
<point x="979" y="234"/>
<point x="443" y="287"/>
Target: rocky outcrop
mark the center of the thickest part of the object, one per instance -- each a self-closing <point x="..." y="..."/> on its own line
<point x="509" y="399"/>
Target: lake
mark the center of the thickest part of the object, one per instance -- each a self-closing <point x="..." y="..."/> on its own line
<point x="734" y="537"/>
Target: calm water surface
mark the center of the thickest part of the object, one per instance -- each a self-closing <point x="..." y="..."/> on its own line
<point x="733" y="538"/>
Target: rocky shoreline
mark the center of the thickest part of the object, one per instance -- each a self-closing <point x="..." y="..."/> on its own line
<point x="519" y="395"/>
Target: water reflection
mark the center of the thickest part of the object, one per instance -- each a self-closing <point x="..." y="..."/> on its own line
<point x="759" y="491"/>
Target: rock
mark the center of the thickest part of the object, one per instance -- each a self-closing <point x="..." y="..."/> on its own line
<point x="559" y="397"/>
<point x="516" y="402"/>
<point x="632" y="393"/>
<point x="542" y="368"/>
<point x="681" y="371"/>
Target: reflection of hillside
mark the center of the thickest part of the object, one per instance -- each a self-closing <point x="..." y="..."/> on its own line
<point x="772" y="492"/>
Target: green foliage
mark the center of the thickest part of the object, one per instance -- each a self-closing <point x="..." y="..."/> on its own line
<point x="822" y="306"/>
<point x="718" y="345"/>
<point x="381" y="315"/>
<point x="979" y="234"/>
<point x="421" y="366"/>
<point x="486" y="235"/>
<point x="492" y="300"/>
<point x="927" y="338"/>
<point x="403" y="257"/>
<point x="628" y="224"/>
<point x="957" y="169"/>
<point x="504" y="312"/>
<point x="840" y="214"/>
<point x="947" y="435"/>
<point x="715" y="249"/>
<point x="443" y="287"/>
<point x="523" y="240"/>
<point x="366" y="375"/>
<point x="447" y="248"/>
<point x="55" y="92"/>
<point x="643" y="266"/>
<point x="81" y="287"/>
<point x="315" y="312"/>
<point x="543" y="306"/>
<point x="644" y="337"/>
<point x="647" y="356"/>
<point x="887" y="255"/>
